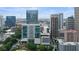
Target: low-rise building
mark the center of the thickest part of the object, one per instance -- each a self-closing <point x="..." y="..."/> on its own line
<point x="45" y="34"/>
<point x="68" y="46"/>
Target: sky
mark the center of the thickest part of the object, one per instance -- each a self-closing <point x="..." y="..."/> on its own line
<point x="43" y="12"/>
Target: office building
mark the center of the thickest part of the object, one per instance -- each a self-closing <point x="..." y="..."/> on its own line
<point x="70" y="23"/>
<point x="32" y="16"/>
<point x="64" y="24"/>
<point x="54" y="26"/>
<point x="10" y="21"/>
<point x="45" y="34"/>
<point x="60" y="21"/>
<point x="71" y="36"/>
<point x="1" y="22"/>
<point x="31" y="32"/>
<point x="69" y="46"/>
<point x="31" y="29"/>
<point x="76" y="10"/>
<point x="1" y="28"/>
<point x="20" y="21"/>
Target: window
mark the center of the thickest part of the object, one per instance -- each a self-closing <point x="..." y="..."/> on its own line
<point x="47" y="30"/>
<point x="37" y="31"/>
<point x="46" y="40"/>
<point x="24" y="31"/>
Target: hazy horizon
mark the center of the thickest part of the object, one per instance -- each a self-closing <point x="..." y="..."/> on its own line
<point x="43" y="12"/>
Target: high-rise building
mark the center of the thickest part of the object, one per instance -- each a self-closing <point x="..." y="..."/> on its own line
<point x="45" y="34"/>
<point x="10" y="21"/>
<point x="71" y="34"/>
<point x="1" y="28"/>
<point x="60" y="21"/>
<point x="31" y="32"/>
<point x="54" y="26"/>
<point x="32" y="16"/>
<point x="76" y="10"/>
<point x="1" y="22"/>
<point x="70" y="23"/>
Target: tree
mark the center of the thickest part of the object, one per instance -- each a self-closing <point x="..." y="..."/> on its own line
<point x="45" y="48"/>
<point x="42" y="48"/>
<point x="18" y="33"/>
<point x="2" y="48"/>
<point x="50" y="48"/>
<point x="31" y="45"/>
<point x="8" y="46"/>
<point x="13" y="40"/>
<point x="10" y="41"/>
<point x="7" y="40"/>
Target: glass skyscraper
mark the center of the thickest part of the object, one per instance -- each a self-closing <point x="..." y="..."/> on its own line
<point x="70" y="23"/>
<point x="10" y="21"/>
<point x="31" y="30"/>
<point x="32" y="16"/>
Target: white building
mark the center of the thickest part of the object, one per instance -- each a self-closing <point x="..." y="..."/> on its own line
<point x="31" y="32"/>
<point x="68" y="46"/>
<point x="45" y="34"/>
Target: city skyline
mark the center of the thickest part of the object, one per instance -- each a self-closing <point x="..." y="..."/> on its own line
<point x="43" y="12"/>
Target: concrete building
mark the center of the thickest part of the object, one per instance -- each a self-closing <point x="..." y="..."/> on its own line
<point x="44" y="21"/>
<point x="54" y="26"/>
<point x="8" y="34"/>
<point x="1" y="28"/>
<point x="71" y="36"/>
<point x="64" y="24"/>
<point x="1" y="22"/>
<point x="68" y="46"/>
<point x="20" y="21"/>
<point x="76" y="10"/>
<point x="45" y="34"/>
<point x="10" y="21"/>
<point x="31" y="29"/>
<point x="31" y="32"/>
<point x="60" y="21"/>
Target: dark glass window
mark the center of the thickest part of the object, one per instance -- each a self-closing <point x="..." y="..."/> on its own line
<point x="24" y="31"/>
<point x="37" y="31"/>
<point x="47" y="30"/>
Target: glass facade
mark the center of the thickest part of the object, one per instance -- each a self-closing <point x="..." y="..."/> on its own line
<point x="32" y="16"/>
<point x="10" y="21"/>
<point x="37" y="31"/>
<point x="70" y="23"/>
<point x="60" y="21"/>
<point x="24" y="31"/>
